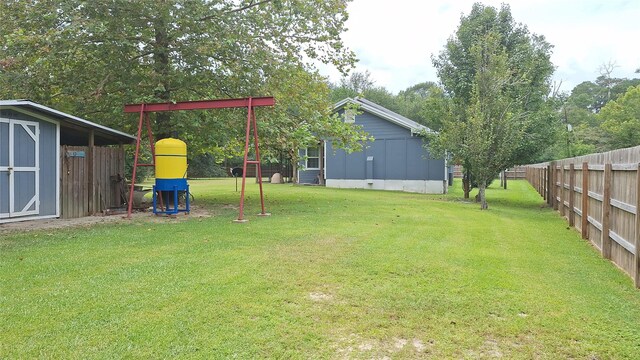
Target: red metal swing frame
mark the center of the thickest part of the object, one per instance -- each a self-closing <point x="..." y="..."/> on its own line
<point x="249" y="103"/>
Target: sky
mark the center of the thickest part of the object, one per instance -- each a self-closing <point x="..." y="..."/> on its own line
<point x="395" y="39"/>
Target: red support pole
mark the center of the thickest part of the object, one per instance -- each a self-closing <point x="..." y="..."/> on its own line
<point x="244" y="164"/>
<point x="255" y="141"/>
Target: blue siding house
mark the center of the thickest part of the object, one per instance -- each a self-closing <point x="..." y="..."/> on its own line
<point x="395" y="160"/>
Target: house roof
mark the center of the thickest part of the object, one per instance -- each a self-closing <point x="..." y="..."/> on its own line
<point x="74" y="129"/>
<point x="384" y="113"/>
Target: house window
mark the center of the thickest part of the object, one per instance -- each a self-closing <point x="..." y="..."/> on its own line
<point x="313" y="158"/>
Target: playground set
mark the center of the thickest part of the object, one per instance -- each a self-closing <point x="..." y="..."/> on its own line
<point x="169" y="156"/>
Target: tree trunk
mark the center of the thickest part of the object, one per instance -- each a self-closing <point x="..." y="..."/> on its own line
<point x="466" y="184"/>
<point x="161" y="69"/>
<point x="465" y="187"/>
<point x="505" y="179"/>
<point x="294" y="166"/>
<point x="483" y="198"/>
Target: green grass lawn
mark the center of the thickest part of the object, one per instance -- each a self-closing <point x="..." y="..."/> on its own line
<point x="332" y="274"/>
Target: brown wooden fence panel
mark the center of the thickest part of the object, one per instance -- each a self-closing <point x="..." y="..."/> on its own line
<point x="73" y="186"/>
<point x="108" y="167"/>
<point x="595" y="194"/>
<point x="599" y="196"/>
<point x="623" y="215"/>
<point x="515" y="173"/>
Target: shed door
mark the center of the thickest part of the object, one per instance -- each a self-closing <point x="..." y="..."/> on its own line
<point x="19" y="195"/>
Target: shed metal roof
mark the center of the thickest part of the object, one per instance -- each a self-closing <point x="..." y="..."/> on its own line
<point x="384" y="113"/>
<point x="104" y="135"/>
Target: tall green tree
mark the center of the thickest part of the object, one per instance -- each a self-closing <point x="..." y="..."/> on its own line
<point x="581" y="111"/>
<point x="594" y="95"/>
<point x="358" y="82"/>
<point x="528" y="69"/>
<point x="91" y="57"/>
<point x="621" y="119"/>
<point x="425" y="103"/>
<point x="495" y="124"/>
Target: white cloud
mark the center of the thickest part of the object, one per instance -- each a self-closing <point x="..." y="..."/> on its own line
<point x="395" y="40"/>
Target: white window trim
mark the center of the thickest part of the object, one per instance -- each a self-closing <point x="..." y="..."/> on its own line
<point x="324" y="160"/>
<point x="306" y="160"/>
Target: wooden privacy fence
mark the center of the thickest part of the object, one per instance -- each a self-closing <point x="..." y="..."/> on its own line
<point x="90" y="180"/>
<point x="515" y="173"/>
<point x="600" y="200"/>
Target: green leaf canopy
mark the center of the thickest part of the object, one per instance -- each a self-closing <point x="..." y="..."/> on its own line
<point x="89" y="58"/>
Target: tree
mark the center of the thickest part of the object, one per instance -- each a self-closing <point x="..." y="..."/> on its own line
<point x="360" y="84"/>
<point x="621" y="119"/>
<point x="587" y="95"/>
<point x="354" y="85"/>
<point x="91" y="57"/>
<point x="425" y="103"/>
<point x="581" y="111"/>
<point x="494" y="124"/>
<point x="527" y="68"/>
<point x="605" y="79"/>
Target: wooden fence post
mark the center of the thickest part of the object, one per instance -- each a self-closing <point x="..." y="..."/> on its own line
<point x="606" y="211"/>
<point x="561" y="206"/>
<point x="541" y="183"/>
<point x="541" y="176"/>
<point x="585" y="200"/>
<point x="93" y="203"/>
<point x="546" y="183"/>
<point x="572" y="181"/>
<point x="636" y="257"/>
<point x="553" y="188"/>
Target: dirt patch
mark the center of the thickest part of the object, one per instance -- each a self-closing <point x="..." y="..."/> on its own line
<point x="318" y="296"/>
<point x="366" y="346"/>
<point x="418" y="345"/>
<point x="230" y="206"/>
<point x="399" y="344"/>
<point x="355" y="346"/>
<point x="490" y="349"/>
<point x="87" y="221"/>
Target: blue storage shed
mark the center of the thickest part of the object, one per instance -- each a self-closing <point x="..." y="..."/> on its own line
<point x="36" y="178"/>
<point x="395" y="160"/>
